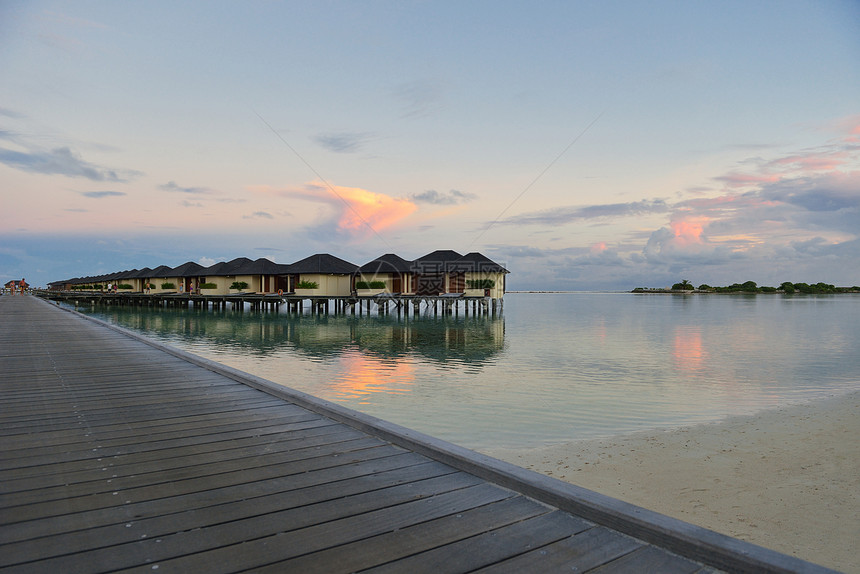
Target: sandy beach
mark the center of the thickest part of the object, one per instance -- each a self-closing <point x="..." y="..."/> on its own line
<point x="786" y="478"/>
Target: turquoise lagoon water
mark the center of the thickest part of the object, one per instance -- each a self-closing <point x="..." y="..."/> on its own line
<point x="551" y="368"/>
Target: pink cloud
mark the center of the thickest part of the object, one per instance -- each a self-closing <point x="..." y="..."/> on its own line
<point x="688" y="231"/>
<point x="812" y="161"/>
<point x="377" y="210"/>
<point x="357" y="210"/>
<point x="745" y="179"/>
<point x="850" y="128"/>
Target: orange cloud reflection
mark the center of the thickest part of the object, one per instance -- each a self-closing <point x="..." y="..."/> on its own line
<point x="364" y="376"/>
<point x="687" y="350"/>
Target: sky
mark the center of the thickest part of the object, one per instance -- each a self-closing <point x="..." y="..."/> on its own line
<point x="583" y="145"/>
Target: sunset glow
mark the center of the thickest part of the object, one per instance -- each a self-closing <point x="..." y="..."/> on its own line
<point x="368" y="210"/>
<point x="362" y="377"/>
<point x="689" y="231"/>
<point x="688" y="351"/>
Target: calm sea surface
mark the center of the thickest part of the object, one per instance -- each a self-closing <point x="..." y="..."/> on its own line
<point x="551" y="368"/>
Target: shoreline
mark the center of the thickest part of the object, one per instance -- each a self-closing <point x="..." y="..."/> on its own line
<point x="786" y="478"/>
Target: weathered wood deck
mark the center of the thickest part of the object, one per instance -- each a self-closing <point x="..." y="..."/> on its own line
<point x="119" y="454"/>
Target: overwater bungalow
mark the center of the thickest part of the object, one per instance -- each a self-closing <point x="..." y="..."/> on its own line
<point x="222" y="275"/>
<point x="430" y="273"/>
<point x="161" y="281"/>
<point x="138" y="279"/>
<point x="477" y="274"/>
<point x="319" y="277"/>
<point x="186" y="277"/>
<point x="15" y="286"/>
<point x="390" y="269"/>
<point x="446" y="271"/>
<point x="262" y="276"/>
<point x="332" y="276"/>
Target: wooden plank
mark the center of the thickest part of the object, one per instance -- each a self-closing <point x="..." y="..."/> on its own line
<point x="154" y="476"/>
<point x="649" y="559"/>
<point x="129" y="431"/>
<point x="454" y="543"/>
<point x="320" y="531"/>
<point x="97" y="450"/>
<point x="110" y="498"/>
<point x="108" y="539"/>
<point x="491" y="542"/>
<point x="578" y="553"/>
<point x="355" y="473"/>
<point x="183" y="456"/>
<point x="86" y="471"/>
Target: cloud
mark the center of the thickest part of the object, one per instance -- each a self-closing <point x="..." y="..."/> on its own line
<point x="171" y="186"/>
<point x="62" y="161"/>
<point x="523" y="251"/>
<point x="7" y="113"/>
<point x="354" y="211"/>
<point x="101" y="194"/>
<point x="453" y="197"/>
<point x="563" y="215"/>
<point x="343" y="142"/>
<point x="744" y="179"/>
<point x="259" y="215"/>
<point x="837" y="153"/>
<point x="419" y="98"/>
<point x="828" y="192"/>
<point x="812" y="161"/>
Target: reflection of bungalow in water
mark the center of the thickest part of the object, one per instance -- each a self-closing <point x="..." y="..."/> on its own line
<point x="334" y="277"/>
<point x="392" y="270"/>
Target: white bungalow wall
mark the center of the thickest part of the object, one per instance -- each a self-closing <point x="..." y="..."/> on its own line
<point x="388" y="279"/>
<point x="498" y="290"/>
<point x="253" y="282"/>
<point x="329" y="285"/>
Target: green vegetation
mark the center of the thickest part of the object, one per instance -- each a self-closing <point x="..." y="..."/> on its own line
<point x="208" y="286"/>
<point x="239" y="285"/>
<point x="480" y="283"/>
<point x="684" y="285"/>
<point x="369" y="285"/>
<point x="787" y="288"/>
<point x="307" y="285"/>
<point x="168" y="285"/>
<point x="124" y="286"/>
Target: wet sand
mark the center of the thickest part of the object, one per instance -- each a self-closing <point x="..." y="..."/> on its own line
<point x="786" y="479"/>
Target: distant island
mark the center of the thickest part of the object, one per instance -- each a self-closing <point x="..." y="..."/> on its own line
<point x="787" y="288"/>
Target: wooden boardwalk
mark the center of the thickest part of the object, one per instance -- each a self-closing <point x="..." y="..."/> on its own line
<point x="119" y="454"/>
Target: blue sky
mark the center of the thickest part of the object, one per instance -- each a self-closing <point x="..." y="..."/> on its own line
<point x="584" y="145"/>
